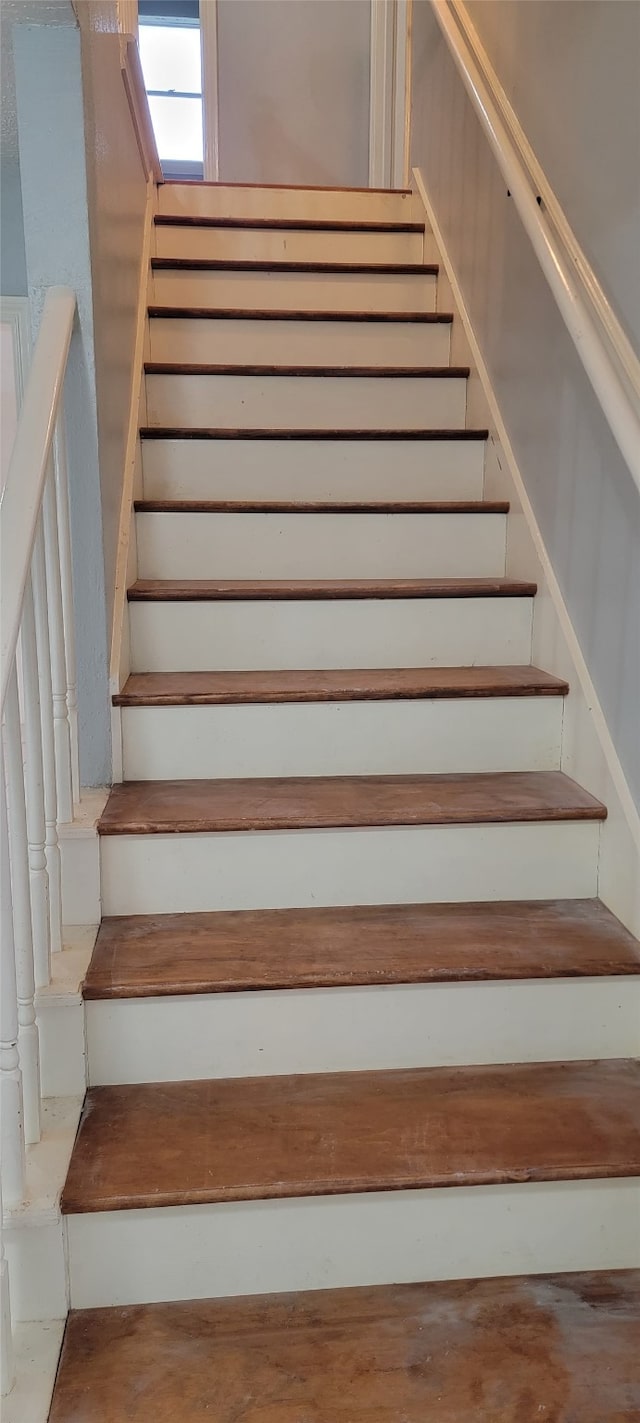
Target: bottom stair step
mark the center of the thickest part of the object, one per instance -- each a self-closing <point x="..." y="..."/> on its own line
<point x="555" y="1347"/>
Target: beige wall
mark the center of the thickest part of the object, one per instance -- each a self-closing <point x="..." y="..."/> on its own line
<point x="571" y="68"/>
<point x="582" y="493"/>
<point x="293" y="90"/>
<point x="116" y="188"/>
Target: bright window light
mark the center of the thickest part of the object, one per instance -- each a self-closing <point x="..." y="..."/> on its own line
<point x="170" y="56"/>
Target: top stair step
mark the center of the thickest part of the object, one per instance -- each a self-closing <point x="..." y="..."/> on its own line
<point x="238" y="201"/>
<point x="278" y="224"/>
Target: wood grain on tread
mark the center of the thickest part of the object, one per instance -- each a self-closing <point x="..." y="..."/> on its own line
<point x="284" y="224"/>
<point x="561" y="1348"/>
<point x="319" y="506"/>
<point x="313" y="802"/>
<point x="147" y="955"/>
<point x="282" y="187"/>
<point x="260" y="1138"/>
<point x="349" y="269"/>
<point x="192" y="432"/>
<point x="150" y="590"/>
<point x="186" y="368"/>
<point x="243" y="313"/>
<point x="175" y="689"/>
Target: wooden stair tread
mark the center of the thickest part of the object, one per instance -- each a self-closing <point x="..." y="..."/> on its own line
<point x="193" y="432"/>
<point x="168" y="689"/>
<point x="178" y="1143"/>
<point x="201" y="368"/>
<point x="143" y="956"/>
<point x="349" y="269"/>
<point x="293" y="506"/>
<point x="298" y="802"/>
<point x="243" y="313"/>
<point x="284" y="224"/>
<point x="518" y="1350"/>
<point x="246" y="589"/>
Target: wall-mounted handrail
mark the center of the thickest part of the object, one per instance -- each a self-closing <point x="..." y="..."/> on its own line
<point x="23" y="492"/>
<point x="604" y="348"/>
<point x="133" y="80"/>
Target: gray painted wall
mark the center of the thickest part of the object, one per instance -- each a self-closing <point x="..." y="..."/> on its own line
<point x="13" y="263"/>
<point x="582" y="493"/>
<point x="293" y="82"/>
<point x="56" y="226"/>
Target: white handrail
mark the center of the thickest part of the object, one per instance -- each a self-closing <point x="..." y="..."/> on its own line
<point x="604" y="349"/>
<point x="24" y="489"/>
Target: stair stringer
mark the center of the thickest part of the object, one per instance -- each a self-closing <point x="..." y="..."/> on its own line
<point x="588" y="753"/>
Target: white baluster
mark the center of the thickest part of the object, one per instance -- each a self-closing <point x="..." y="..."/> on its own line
<point x="61" y="729"/>
<point x="7" y="1373"/>
<point x="66" y="585"/>
<point x="36" y="829"/>
<point x="12" y="1156"/>
<point x="52" y="848"/>
<point x="28" y="1035"/>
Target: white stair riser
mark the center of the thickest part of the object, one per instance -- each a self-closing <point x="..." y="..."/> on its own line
<point x="342" y="738"/>
<point x="392" y="632"/>
<point x="260" y="1034"/>
<point x="294" y="291"/>
<point x="255" y="1247"/>
<point x="240" y="244"/>
<point x="299" y="343"/>
<point x="204" y="545"/>
<point x="311" y="204"/>
<point x="172" y="874"/>
<point x="313" y="469"/>
<point x="306" y="402"/>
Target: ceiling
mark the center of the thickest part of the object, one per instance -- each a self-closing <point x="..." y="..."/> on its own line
<point x="22" y="12"/>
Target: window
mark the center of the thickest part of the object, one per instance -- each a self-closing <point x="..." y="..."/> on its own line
<point x="170" y="56"/>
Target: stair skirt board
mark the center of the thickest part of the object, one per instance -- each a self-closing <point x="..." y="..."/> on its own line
<point x="447" y="632"/>
<point x="342" y="738"/>
<point x="312" y="469"/>
<point x="256" y="1247"/>
<point x="173" y="1039"/>
<point x="297" y="545"/>
<point x="177" y="873"/>
<point x="298" y="342"/>
<point x="306" y="402"/>
<point x="286" y="245"/>
<point x="293" y="291"/>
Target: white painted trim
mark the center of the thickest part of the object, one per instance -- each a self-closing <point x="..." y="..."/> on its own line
<point x="29" y="464"/>
<point x="601" y="729"/>
<point x="15" y="311"/>
<point x="605" y="351"/>
<point x="401" y="95"/>
<point x="381" y="67"/>
<point x="210" y="113"/>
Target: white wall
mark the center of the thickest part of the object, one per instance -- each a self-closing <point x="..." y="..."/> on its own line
<point x="293" y="80"/>
<point x="572" y="72"/>
<point x="582" y="493"/>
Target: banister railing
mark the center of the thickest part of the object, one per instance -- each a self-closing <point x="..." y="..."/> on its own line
<point x="603" y="346"/>
<point x="39" y="782"/>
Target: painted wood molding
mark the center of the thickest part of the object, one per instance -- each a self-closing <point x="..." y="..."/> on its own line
<point x="209" y="51"/>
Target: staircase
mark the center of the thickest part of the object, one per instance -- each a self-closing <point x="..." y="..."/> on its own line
<point x="357" y="1022"/>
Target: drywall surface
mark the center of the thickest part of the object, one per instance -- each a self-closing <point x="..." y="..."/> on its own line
<point x="117" y="190"/>
<point x="13" y="263"/>
<point x="572" y="72"/>
<point x="293" y="87"/>
<point x="583" y="496"/>
<point x="54" y="195"/>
